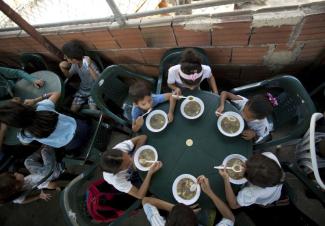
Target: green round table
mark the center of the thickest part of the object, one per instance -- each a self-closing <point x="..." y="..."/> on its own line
<point x="209" y="149"/>
<point x="26" y="90"/>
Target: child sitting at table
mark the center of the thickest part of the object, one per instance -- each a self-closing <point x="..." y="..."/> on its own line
<point x="180" y="214"/>
<point x="189" y="73"/>
<point x="265" y="178"/>
<point x="117" y="166"/>
<point x="143" y="101"/>
<point x="254" y="111"/>
<point x="77" y="63"/>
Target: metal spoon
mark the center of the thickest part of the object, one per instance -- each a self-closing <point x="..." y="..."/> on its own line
<point x="193" y="187"/>
<point x="233" y="168"/>
<point x="179" y="97"/>
<point x="150" y="109"/>
<point x="143" y="161"/>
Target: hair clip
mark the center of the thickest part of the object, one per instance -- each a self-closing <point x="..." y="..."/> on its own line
<point x="272" y="99"/>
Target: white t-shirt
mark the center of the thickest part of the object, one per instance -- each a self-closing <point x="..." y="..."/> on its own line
<point x="256" y="195"/>
<point x="120" y="180"/>
<point x="261" y="127"/>
<point x="174" y="78"/>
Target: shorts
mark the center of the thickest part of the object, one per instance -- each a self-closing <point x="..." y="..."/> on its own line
<point x="81" y="99"/>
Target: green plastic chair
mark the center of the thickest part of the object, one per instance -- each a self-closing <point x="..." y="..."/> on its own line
<point x="32" y="62"/>
<point x="171" y="58"/>
<point x="292" y="116"/>
<point x="73" y="202"/>
<point x="110" y="92"/>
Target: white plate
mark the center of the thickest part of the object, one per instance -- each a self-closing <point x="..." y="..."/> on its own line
<point x="236" y="115"/>
<point x="150" y="116"/>
<point x="137" y="153"/>
<point x="180" y="199"/>
<point x="237" y="156"/>
<point x="188" y="100"/>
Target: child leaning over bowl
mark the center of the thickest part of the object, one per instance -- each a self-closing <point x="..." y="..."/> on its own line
<point x="265" y="178"/>
<point x="117" y="166"/>
<point x="143" y="101"/>
<point x="254" y="111"/>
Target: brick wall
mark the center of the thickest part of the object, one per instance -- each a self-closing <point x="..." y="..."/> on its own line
<point x="239" y="51"/>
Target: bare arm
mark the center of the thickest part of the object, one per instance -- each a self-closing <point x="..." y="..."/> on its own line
<point x="213" y="84"/>
<point x="65" y="67"/>
<point x="172" y="104"/>
<point x="33" y="198"/>
<point x="137" y="124"/>
<point x="230" y="195"/>
<point x="176" y="90"/>
<point x="142" y="191"/>
<point x="138" y="141"/>
<point x="226" y="96"/>
<point x="53" y="96"/>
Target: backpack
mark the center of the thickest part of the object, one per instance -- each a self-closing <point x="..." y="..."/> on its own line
<point x="105" y="203"/>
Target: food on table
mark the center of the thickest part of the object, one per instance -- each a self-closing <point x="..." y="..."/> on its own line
<point x="237" y="164"/>
<point x="157" y="121"/>
<point x="192" y="108"/>
<point x="146" y="155"/>
<point x="230" y="124"/>
<point x="184" y="188"/>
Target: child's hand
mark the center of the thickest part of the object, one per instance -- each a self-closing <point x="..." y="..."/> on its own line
<point x="248" y="134"/>
<point x="45" y="196"/>
<point x="155" y="167"/>
<point x="38" y="83"/>
<point x="139" y="121"/>
<point x="220" y="110"/>
<point x="177" y="91"/>
<point x="170" y="117"/>
<point x="224" y="174"/>
<point x="205" y="184"/>
<point x="195" y="208"/>
<point x="29" y="102"/>
<point x="64" y="65"/>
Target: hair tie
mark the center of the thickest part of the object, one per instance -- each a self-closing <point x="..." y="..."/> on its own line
<point x="192" y="77"/>
<point x="272" y="99"/>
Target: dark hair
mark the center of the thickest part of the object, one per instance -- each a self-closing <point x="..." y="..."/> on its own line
<point x="260" y="106"/>
<point x="111" y="161"/>
<point x="190" y="63"/>
<point x="39" y="123"/>
<point x="138" y="90"/>
<point x="263" y="171"/>
<point x="181" y="215"/>
<point x="8" y="187"/>
<point x="73" y="50"/>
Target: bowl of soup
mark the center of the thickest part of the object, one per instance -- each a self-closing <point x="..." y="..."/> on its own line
<point x="231" y="124"/>
<point x="238" y="162"/>
<point x="192" y="107"/>
<point x="182" y="189"/>
<point x="156" y="121"/>
<point x="144" y="154"/>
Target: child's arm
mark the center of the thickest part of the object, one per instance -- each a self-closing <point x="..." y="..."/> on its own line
<point x="213" y="84"/>
<point x="65" y="68"/>
<point x="33" y="198"/>
<point x="230" y="195"/>
<point x="142" y="191"/>
<point x="172" y="104"/>
<point x="226" y="96"/>
<point x="138" y="141"/>
<point x="221" y="206"/>
<point x="176" y="90"/>
<point x="53" y="96"/>
<point x="137" y="124"/>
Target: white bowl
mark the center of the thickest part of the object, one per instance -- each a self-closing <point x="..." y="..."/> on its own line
<point x="198" y="100"/>
<point x="150" y="116"/>
<point x="138" y="152"/>
<point x="233" y="114"/>
<point x="237" y="156"/>
<point x="180" y="199"/>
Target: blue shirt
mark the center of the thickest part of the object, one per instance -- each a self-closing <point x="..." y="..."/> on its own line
<point x="63" y="133"/>
<point x="156" y="99"/>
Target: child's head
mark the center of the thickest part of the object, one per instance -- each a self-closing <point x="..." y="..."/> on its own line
<point x="181" y="215"/>
<point x="191" y="68"/>
<point x="140" y="94"/>
<point x="39" y="123"/>
<point x="115" y="160"/>
<point x="257" y="107"/>
<point x="10" y="184"/>
<point x="263" y="171"/>
<point x="73" y="51"/>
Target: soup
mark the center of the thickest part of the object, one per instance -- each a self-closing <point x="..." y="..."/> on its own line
<point x="184" y="189"/>
<point x="230" y="124"/>
<point x="192" y="108"/>
<point x="146" y="155"/>
<point x="238" y="164"/>
<point x="157" y="121"/>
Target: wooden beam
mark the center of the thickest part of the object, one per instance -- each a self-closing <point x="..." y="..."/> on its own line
<point x="23" y="24"/>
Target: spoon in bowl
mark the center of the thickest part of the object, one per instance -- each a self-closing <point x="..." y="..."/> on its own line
<point x="143" y="161"/>
<point x="193" y="187"/>
<point x="150" y="109"/>
<point x="236" y="168"/>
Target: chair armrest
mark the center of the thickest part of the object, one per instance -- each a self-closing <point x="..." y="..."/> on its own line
<point x="159" y="84"/>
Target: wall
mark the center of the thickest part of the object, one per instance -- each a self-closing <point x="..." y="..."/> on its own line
<point x="242" y="48"/>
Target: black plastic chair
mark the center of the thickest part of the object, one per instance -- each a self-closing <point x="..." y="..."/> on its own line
<point x="292" y="116"/>
<point x="32" y="62"/>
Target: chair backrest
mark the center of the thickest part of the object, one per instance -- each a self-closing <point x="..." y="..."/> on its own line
<point x="173" y="57"/>
<point x="32" y="62"/>
<point x="291" y="117"/>
<point x="110" y="92"/>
